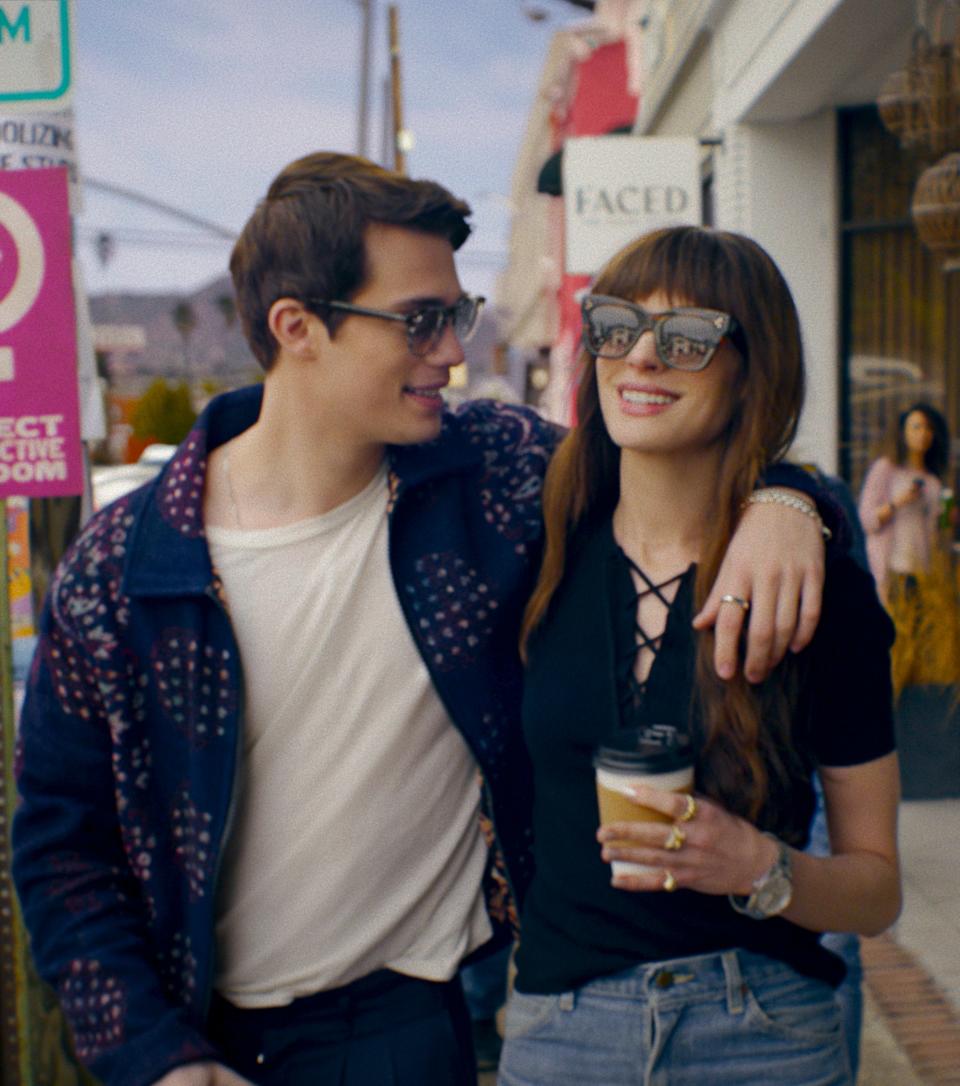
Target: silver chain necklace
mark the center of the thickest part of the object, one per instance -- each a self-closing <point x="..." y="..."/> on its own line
<point x="228" y="475"/>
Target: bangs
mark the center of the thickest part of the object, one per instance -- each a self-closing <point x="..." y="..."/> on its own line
<point x="692" y="265"/>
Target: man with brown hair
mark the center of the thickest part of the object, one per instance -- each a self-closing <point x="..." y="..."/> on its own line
<point x="251" y="845"/>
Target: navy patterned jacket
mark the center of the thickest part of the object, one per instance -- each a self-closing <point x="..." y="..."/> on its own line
<point x="130" y="730"/>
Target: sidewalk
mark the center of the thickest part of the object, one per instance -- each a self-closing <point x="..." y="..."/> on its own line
<point x="912" y="1019"/>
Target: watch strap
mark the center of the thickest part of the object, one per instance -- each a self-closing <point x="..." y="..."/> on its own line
<point x="779" y="874"/>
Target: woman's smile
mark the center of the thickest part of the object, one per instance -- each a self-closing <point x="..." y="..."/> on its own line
<point x="645" y="399"/>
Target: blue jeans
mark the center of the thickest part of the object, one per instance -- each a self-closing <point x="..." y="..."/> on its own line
<point x="844" y="944"/>
<point x="728" y="1019"/>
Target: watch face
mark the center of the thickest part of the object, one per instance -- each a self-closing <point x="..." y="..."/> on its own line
<point x="772" y="892"/>
<point x="774" y="896"/>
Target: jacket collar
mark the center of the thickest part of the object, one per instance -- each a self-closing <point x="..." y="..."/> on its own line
<point x="168" y="554"/>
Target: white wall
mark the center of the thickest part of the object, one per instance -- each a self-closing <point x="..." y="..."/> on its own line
<point x="778" y="184"/>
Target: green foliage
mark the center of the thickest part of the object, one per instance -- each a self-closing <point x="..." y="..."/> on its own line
<point x="164" y="413"/>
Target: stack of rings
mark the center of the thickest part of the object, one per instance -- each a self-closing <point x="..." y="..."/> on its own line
<point x="676" y="838"/>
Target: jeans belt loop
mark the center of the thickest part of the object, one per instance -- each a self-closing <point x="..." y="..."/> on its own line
<point x="567" y="1001"/>
<point x="735" y="986"/>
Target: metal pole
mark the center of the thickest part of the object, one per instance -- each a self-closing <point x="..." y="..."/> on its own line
<point x="366" y="43"/>
<point x="13" y="1022"/>
<point x="387" y="137"/>
<point x="399" y="158"/>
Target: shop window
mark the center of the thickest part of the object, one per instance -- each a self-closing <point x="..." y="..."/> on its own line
<point x="901" y="311"/>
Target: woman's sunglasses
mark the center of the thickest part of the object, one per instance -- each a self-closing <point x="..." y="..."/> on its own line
<point x="685" y="338"/>
<point x="425" y="326"/>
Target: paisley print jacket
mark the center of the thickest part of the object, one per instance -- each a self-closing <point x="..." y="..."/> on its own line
<point x="130" y="731"/>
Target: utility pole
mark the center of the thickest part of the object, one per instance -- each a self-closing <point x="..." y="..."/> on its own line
<point x="366" y="43"/>
<point x="388" y="140"/>
<point x="12" y="1054"/>
<point x="399" y="135"/>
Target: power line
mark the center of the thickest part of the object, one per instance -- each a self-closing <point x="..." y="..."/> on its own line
<point x="159" y="205"/>
<point x="181" y="239"/>
<point x="105" y="237"/>
<point x="151" y="238"/>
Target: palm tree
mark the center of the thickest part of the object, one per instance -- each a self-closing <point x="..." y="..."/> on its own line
<point x="228" y="309"/>
<point x="185" y="320"/>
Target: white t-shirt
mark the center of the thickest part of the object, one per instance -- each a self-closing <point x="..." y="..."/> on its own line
<point x="355" y="842"/>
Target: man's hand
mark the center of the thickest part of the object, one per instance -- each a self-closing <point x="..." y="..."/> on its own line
<point x="775" y="560"/>
<point x="202" y="1074"/>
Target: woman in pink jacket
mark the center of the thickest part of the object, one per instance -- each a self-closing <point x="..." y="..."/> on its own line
<point x="900" y="501"/>
<point x="900" y="507"/>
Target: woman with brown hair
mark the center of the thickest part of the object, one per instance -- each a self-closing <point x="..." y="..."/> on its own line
<point x="702" y="963"/>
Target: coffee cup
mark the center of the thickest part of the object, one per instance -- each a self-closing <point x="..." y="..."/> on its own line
<point x="660" y="758"/>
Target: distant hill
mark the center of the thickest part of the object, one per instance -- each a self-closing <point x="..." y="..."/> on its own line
<point x="215" y="349"/>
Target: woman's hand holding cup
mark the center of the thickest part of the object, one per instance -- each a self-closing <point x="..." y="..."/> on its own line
<point x="713" y="852"/>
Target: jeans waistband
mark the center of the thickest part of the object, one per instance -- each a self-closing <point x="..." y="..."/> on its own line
<point x="726" y="971"/>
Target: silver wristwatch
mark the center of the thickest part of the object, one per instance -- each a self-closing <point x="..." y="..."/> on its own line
<point x="772" y="891"/>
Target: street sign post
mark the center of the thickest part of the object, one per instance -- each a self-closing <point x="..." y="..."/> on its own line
<point x="35" y="54"/>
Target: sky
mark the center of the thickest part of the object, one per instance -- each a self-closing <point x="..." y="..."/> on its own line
<point x="200" y="103"/>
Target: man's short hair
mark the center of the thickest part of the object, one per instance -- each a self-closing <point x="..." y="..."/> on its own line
<point x="306" y="238"/>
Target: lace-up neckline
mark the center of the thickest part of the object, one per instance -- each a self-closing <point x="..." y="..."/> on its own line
<point x="656" y="599"/>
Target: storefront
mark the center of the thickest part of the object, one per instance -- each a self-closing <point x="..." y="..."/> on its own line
<point x="900" y="311"/>
<point x="799" y="158"/>
<point x="784" y="92"/>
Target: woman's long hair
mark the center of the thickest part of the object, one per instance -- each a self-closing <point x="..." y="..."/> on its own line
<point x="747" y="755"/>
<point x="936" y="458"/>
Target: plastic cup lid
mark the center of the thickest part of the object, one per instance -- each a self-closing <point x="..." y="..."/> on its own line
<point x="660" y="749"/>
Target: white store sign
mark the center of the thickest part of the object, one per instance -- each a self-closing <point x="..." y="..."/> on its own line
<point x="33" y="141"/>
<point x="616" y="188"/>
<point x="35" y="54"/>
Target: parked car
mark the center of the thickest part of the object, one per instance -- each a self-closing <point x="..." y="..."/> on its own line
<point x="112" y="481"/>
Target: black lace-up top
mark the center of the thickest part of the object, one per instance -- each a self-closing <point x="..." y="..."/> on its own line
<point x="631" y="689"/>
<point x="581" y="688"/>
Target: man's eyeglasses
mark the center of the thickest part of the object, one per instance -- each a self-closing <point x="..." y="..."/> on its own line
<point x="686" y="338"/>
<point x="426" y="325"/>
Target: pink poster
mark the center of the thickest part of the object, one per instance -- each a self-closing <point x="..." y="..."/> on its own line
<point x="40" y="453"/>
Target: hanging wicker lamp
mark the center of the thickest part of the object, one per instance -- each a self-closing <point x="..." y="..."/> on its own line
<point x="941" y="85"/>
<point x="920" y="103"/>
<point x="936" y="209"/>
<point x="902" y="99"/>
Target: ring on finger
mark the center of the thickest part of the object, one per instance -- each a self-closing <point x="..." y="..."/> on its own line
<point x="690" y="812"/>
<point x="669" y="882"/>
<point x="675" y="839"/>
<point x="743" y="604"/>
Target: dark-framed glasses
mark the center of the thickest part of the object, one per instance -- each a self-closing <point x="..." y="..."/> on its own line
<point x="685" y="338"/>
<point x="426" y="325"/>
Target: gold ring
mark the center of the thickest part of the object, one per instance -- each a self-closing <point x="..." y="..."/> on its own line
<point x="669" y="882"/>
<point x="738" y="600"/>
<point x="691" y="810"/>
<point x="675" y="840"/>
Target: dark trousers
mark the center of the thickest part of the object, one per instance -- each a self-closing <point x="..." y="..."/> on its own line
<point x="382" y="1030"/>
